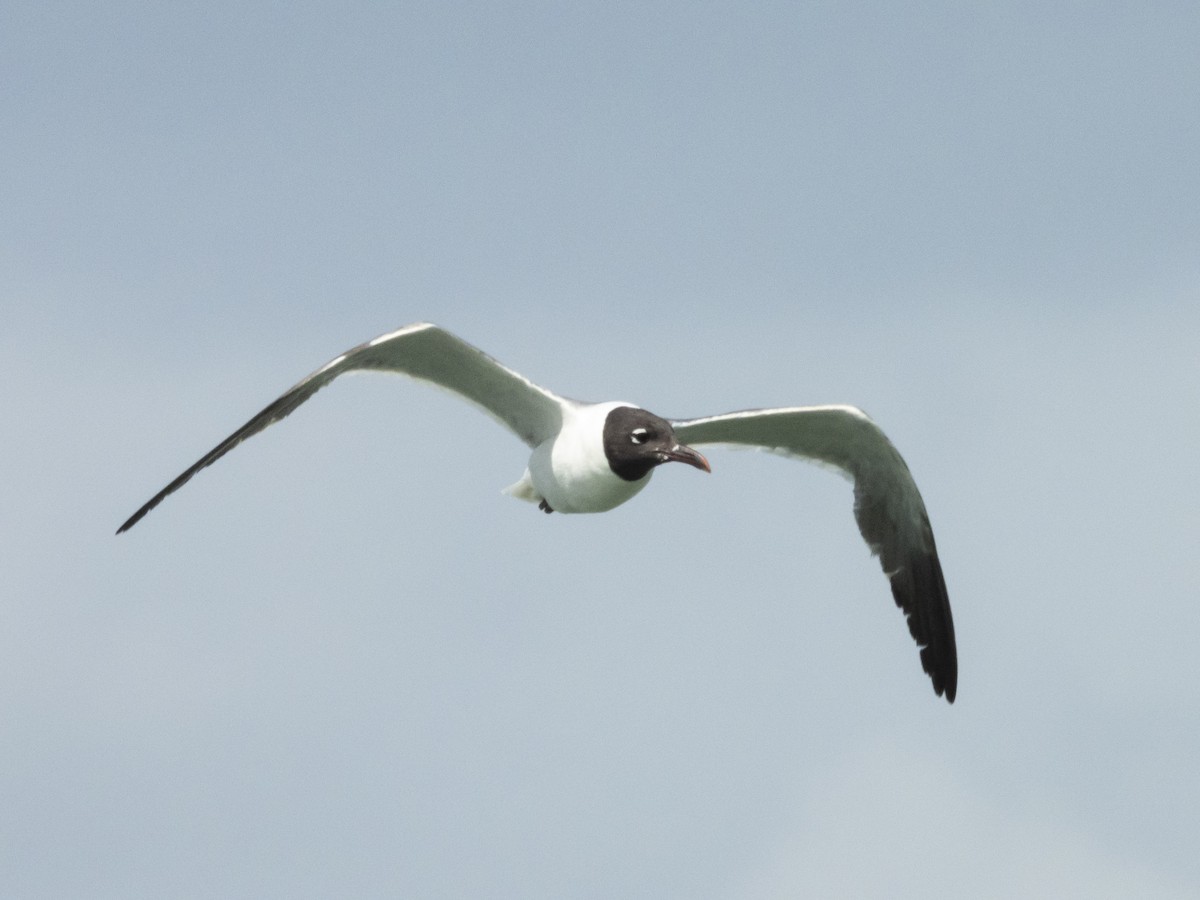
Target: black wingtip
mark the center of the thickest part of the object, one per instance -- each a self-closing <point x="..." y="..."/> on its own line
<point x="945" y="679"/>
<point x="920" y="590"/>
<point x="140" y="514"/>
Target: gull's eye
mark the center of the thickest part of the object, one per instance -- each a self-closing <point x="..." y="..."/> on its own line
<point x="639" y="435"/>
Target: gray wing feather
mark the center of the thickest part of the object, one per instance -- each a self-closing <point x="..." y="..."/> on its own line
<point x="421" y="351"/>
<point x="887" y="506"/>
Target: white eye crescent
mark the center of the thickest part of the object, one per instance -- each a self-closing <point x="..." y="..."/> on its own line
<point x="639" y="435"/>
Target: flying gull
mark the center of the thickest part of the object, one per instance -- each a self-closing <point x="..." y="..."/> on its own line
<point x="591" y="457"/>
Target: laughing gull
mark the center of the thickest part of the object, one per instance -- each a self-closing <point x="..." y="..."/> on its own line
<point x="591" y="457"/>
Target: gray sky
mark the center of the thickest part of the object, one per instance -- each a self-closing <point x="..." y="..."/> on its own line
<point x="340" y="663"/>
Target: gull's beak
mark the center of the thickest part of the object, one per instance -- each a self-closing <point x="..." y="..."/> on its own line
<point x="680" y="453"/>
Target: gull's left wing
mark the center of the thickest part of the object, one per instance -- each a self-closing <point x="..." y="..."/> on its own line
<point x="887" y="506"/>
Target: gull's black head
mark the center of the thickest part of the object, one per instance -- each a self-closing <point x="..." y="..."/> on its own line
<point x="635" y="441"/>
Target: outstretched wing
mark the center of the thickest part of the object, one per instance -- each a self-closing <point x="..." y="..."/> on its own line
<point x="887" y="506"/>
<point x="421" y="351"/>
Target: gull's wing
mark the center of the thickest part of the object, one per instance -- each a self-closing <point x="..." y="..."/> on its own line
<point x="424" y="352"/>
<point x="887" y="505"/>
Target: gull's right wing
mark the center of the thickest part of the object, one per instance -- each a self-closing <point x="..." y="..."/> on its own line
<point x="421" y="351"/>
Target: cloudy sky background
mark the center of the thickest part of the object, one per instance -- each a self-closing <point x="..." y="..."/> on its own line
<point x="340" y="663"/>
